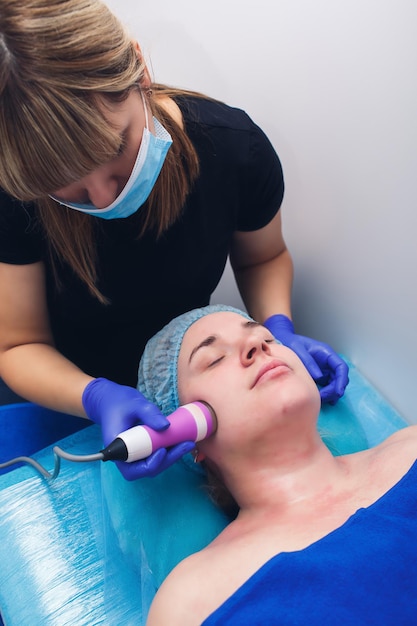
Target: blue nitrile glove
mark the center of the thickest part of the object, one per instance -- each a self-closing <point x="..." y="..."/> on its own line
<point x="117" y="408"/>
<point x="324" y="365"/>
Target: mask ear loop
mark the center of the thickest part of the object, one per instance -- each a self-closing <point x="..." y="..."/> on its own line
<point x="145" y="108"/>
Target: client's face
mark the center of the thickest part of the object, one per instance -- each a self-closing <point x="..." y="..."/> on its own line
<point x="243" y="373"/>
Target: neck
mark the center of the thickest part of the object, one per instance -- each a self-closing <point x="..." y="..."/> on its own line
<point x="284" y="475"/>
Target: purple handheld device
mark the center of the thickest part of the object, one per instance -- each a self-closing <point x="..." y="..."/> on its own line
<point x="192" y="422"/>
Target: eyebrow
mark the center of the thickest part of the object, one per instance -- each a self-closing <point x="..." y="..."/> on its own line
<point x="208" y="341"/>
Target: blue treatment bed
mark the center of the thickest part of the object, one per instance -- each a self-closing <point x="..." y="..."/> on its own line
<point x="91" y="548"/>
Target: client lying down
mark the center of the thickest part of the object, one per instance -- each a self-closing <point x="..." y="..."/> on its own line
<point x="317" y="539"/>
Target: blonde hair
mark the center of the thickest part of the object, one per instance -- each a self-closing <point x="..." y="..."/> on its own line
<point x="57" y="58"/>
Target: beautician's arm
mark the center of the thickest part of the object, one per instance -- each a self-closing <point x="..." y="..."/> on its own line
<point x="29" y="363"/>
<point x="263" y="270"/>
<point x="33" y="368"/>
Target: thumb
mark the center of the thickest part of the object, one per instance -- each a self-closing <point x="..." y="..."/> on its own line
<point x="150" y="415"/>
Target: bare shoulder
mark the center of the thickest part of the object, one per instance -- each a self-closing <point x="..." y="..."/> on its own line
<point x="200" y="584"/>
<point x="177" y="600"/>
<point x="396" y="454"/>
<point x="404" y="439"/>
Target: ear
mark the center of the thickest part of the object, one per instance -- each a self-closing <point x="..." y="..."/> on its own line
<point x="146" y="80"/>
<point x="198" y="456"/>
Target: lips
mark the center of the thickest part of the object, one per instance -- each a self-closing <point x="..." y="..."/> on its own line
<point x="270" y="370"/>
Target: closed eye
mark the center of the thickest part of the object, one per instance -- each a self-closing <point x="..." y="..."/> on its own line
<point x="216" y="361"/>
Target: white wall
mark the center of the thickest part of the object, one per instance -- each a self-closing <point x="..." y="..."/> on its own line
<point x="333" y="83"/>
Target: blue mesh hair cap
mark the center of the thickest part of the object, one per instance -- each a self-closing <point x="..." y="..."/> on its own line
<point x="157" y="377"/>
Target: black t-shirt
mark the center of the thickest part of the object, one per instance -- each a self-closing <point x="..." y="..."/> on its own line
<point x="240" y="187"/>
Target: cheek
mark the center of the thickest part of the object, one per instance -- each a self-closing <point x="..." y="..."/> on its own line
<point x="192" y="389"/>
<point x="217" y="388"/>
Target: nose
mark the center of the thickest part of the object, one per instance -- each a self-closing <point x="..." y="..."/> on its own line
<point x="102" y="189"/>
<point x="253" y="347"/>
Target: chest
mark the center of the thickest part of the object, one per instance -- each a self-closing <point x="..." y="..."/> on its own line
<point x="183" y="266"/>
<point x="358" y="529"/>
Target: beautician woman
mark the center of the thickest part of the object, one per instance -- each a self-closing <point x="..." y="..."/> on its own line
<point x="121" y="201"/>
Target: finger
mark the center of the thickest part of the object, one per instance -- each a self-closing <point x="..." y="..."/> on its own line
<point x="149" y="467"/>
<point x="156" y="462"/>
<point x="341" y="377"/>
<point x="178" y="451"/>
<point x="149" y="414"/>
<point x="310" y="363"/>
<point x="337" y="371"/>
<point x="332" y="392"/>
<point x="329" y="395"/>
<point x="325" y="379"/>
<point x="338" y="365"/>
<point x="332" y="366"/>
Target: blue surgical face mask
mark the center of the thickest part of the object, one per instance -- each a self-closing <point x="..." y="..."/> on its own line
<point x="151" y="156"/>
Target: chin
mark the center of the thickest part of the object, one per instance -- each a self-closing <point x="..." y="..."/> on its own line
<point x="305" y="401"/>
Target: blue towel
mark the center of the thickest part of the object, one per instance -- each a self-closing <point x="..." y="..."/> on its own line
<point x="364" y="572"/>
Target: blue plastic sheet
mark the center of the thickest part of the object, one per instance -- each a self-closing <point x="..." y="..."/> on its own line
<point x="361" y="419"/>
<point x="28" y="428"/>
<point x="91" y="548"/>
